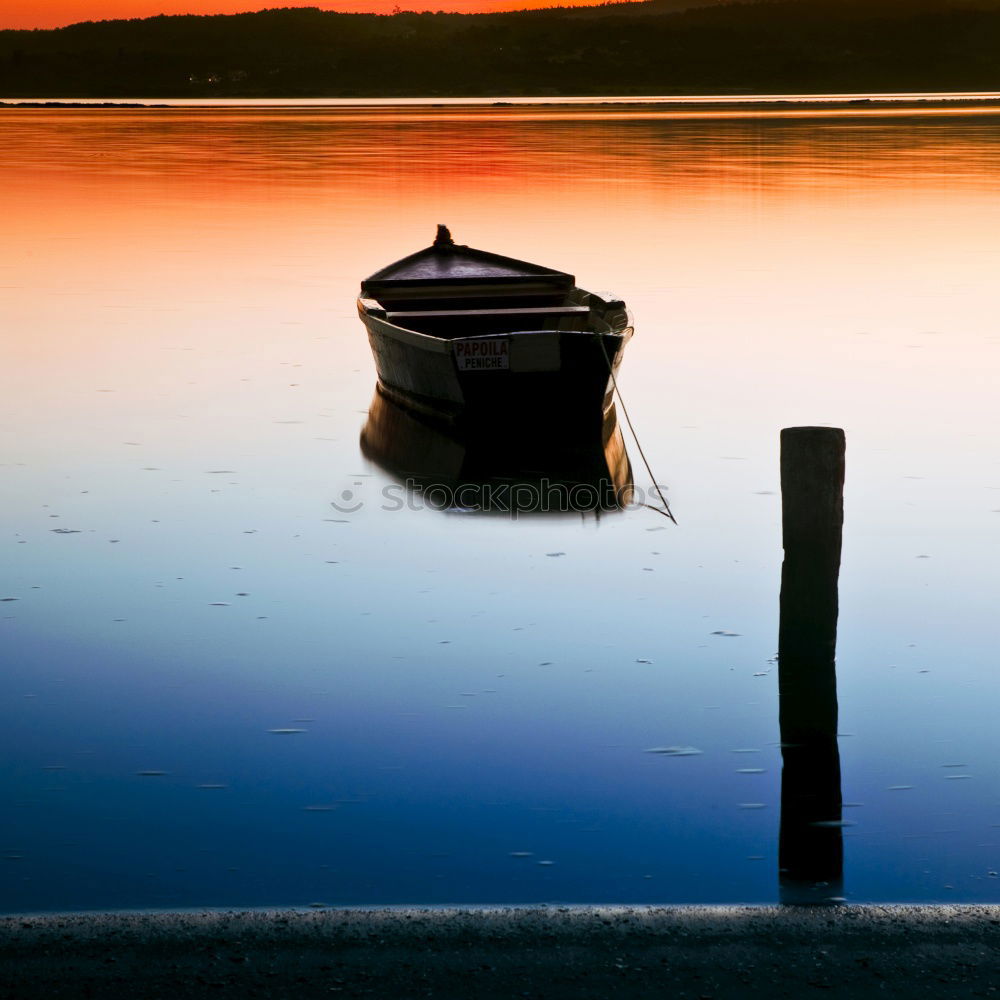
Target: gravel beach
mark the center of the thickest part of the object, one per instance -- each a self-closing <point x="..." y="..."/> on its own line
<point x="544" y="952"/>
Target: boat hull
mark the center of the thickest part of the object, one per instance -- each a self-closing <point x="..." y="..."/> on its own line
<point x="550" y="375"/>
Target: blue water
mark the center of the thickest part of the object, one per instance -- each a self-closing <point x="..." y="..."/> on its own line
<point x="186" y="386"/>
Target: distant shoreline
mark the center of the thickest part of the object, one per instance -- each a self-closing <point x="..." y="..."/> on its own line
<point x="477" y="101"/>
<point x="79" y="104"/>
<point x="663" y="47"/>
<point x="680" y="104"/>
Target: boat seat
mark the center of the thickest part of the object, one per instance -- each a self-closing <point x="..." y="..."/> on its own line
<point x="526" y="311"/>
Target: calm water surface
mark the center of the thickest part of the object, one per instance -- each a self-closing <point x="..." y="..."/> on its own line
<point x="184" y="385"/>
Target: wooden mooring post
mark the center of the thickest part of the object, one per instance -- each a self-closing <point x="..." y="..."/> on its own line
<point x="810" y="848"/>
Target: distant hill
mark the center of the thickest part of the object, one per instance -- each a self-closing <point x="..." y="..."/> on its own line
<point x="658" y="47"/>
<point x="631" y="7"/>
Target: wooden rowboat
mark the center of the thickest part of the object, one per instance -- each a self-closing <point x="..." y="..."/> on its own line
<point x="461" y="334"/>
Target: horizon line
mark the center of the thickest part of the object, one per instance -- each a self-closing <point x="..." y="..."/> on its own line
<point x="349" y="7"/>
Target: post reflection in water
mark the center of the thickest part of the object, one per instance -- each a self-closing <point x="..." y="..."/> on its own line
<point x="500" y="466"/>
<point x="810" y="848"/>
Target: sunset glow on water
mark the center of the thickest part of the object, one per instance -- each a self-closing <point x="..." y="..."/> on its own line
<point x="222" y="690"/>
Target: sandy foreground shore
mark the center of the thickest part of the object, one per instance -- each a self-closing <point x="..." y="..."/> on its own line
<point x="550" y="952"/>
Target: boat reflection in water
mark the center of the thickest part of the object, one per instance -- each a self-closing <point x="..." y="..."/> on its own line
<point x="500" y="466"/>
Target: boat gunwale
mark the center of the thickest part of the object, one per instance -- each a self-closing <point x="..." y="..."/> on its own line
<point x="420" y="339"/>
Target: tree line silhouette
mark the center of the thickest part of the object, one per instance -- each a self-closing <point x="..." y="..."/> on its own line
<point x="642" y="48"/>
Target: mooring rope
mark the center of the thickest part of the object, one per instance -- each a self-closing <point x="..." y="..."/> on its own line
<point x="666" y="507"/>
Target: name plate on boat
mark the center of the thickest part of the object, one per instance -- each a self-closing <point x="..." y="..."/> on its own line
<point x="482" y="354"/>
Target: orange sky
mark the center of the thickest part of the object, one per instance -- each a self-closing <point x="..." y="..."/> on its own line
<point x="56" y="13"/>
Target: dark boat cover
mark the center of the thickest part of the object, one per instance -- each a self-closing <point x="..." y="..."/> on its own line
<point x="444" y="263"/>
